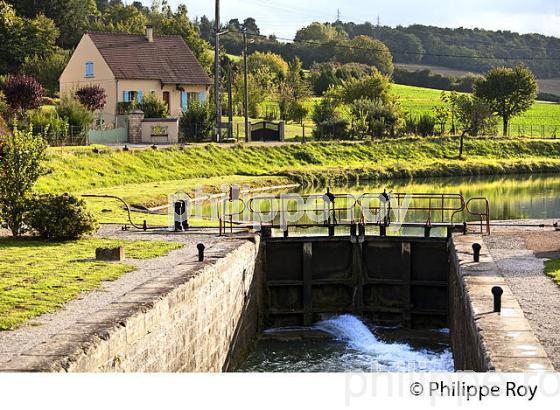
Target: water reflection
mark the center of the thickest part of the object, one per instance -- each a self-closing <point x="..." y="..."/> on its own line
<point x="511" y="197"/>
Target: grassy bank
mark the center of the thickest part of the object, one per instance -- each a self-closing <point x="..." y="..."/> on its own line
<point x="310" y="163"/>
<point x="38" y="277"/>
<point x="552" y="269"/>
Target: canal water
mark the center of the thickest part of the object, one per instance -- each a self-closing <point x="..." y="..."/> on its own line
<point x="351" y="345"/>
<point x="511" y="196"/>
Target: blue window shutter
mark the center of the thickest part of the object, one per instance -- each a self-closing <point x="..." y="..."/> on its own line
<point x="89" y="69"/>
<point x="184" y="101"/>
<point x="139" y="97"/>
<point x="125" y="96"/>
<point x="202" y="97"/>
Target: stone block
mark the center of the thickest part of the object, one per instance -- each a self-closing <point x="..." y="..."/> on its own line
<point x="110" y="254"/>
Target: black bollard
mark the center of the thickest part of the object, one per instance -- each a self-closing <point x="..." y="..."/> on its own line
<point x="382" y="230"/>
<point x="497" y="292"/>
<point x="145" y="225"/>
<point x="476" y="251"/>
<point x="427" y="231"/>
<point x="331" y="230"/>
<point x="200" y="248"/>
<point x="353" y="229"/>
<point x="362" y="229"/>
<point x="286" y="233"/>
<point x="266" y="232"/>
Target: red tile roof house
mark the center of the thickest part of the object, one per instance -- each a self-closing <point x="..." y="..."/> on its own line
<point x="129" y="66"/>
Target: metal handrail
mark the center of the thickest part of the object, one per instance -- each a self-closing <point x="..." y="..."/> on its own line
<point x="441" y="199"/>
<point x="481" y="215"/>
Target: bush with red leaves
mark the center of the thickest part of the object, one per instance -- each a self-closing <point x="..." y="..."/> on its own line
<point x="23" y="92"/>
<point x="93" y="97"/>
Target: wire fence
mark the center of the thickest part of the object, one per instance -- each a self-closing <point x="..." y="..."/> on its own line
<point x="70" y="136"/>
<point x="534" y="131"/>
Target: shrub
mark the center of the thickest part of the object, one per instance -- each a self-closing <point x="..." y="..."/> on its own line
<point x="426" y="125"/>
<point x="124" y="107"/>
<point x="23" y="92"/>
<point x="48" y="124"/>
<point x="324" y="111"/>
<point x="197" y="122"/>
<point x="92" y="97"/>
<point x="3" y="106"/>
<point x="334" y="129"/>
<point x="75" y="113"/>
<point x="297" y="111"/>
<point x="411" y="125"/>
<point x="380" y="118"/>
<point x="153" y="106"/>
<point x="21" y="163"/>
<point x="61" y="218"/>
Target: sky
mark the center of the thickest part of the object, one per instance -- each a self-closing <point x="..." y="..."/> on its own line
<point x="285" y="17"/>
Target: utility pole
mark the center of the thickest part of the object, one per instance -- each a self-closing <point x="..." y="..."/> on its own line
<point x="217" y="84"/>
<point x="230" y="104"/>
<point x="246" y="89"/>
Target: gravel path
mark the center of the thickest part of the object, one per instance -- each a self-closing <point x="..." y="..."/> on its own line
<point x="520" y="254"/>
<point x="38" y="330"/>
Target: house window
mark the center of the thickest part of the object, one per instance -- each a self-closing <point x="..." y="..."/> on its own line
<point x="192" y="97"/>
<point x="89" y="69"/>
<point x="130" y="96"/>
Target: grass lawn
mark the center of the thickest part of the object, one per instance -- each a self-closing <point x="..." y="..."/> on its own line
<point x="552" y="269"/>
<point x="38" y="277"/>
<point x="147" y="177"/>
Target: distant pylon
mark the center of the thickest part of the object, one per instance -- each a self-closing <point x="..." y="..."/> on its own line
<point x="338" y="15"/>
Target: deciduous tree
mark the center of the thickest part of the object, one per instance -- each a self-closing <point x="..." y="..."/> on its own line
<point x="507" y="91"/>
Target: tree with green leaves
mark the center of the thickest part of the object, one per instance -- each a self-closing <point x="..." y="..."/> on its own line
<point x="374" y="87"/>
<point x="274" y="62"/>
<point x="474" y="116"/>
<point x="320" y="33"/>
<point x="22" y="37"/>
<point x="367" y="50"/>
<point x="507" y="91"/>
<point x="22" y="163"/>
<point x="292" y="91"/>
<point x="47" y="69"/>
<point x="70" y="16"/>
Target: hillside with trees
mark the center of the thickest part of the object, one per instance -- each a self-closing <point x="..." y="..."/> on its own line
<point x="474" y="50"/>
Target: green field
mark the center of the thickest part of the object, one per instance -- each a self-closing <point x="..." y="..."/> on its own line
<point x="418" y="100"/>
<point x="542" y="120"/>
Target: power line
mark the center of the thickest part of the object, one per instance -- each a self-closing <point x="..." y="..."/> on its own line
<point x="346" y="46"/>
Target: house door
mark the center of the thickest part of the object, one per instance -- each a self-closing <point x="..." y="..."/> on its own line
<point x="166" y="100"/>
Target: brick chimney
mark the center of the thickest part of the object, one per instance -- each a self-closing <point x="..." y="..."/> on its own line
<point x="150" y="34"/>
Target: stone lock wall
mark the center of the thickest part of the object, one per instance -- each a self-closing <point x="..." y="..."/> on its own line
<point x="481" y="339"/>
<point x="187" y="320"/>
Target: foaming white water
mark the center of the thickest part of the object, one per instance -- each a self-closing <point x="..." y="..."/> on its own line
<point x="386" y="356"/>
